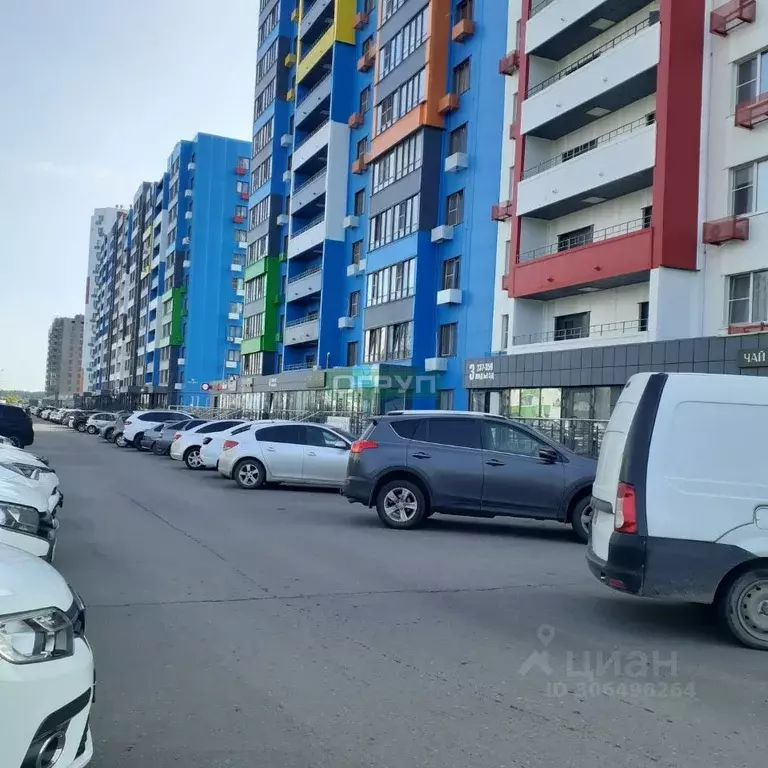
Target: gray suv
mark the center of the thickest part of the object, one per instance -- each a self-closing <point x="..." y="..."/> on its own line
<point x="412" y="464"/>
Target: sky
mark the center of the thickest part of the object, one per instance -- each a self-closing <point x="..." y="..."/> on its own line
<point x="94" y="94"/>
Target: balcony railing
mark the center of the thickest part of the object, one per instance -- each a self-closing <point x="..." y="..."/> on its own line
<point x="310" y="318"/>
<point x="590" y="57"/>
<point x="306" y="183"/>
<point x="305" y="273"/>
<point x="310" y="135"/>
<point x="317" y="85"/>
<point x="582" y="149"/>
<point x="314" y="222"/>
<point x="300" y="367"/>
<point x="578" y="241"/>
<point x="603" y="331"/>
<point x="539" y="5"/>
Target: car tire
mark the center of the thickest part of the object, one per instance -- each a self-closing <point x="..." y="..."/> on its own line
<point x="401" y="504"/>
<point x="249" y="474"/>
<point x="109" y="434"/>
<point x="80" y="427"/>
<point x="137" y="442"/>
<point x="192" y="458"/>
<point x="158" y="449"/>
<point x="744" y="608"/>
<point x="120" y="441"/>
<point x="91" y="430"/>
<point x="15" y="442"/>
<point x="581" y="518"/>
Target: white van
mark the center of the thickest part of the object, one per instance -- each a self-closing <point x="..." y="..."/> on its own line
<point x="680" y="501"/>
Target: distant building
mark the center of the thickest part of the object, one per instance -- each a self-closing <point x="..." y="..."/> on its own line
<point x="65" y="352"/>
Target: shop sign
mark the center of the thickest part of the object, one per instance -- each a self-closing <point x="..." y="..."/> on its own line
<point x="753" y="358"/>
<point x="481" y="371"/>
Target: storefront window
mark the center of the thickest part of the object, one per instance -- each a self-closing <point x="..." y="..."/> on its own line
<point x="530" y="402"/>
<point x="551" y="403"/>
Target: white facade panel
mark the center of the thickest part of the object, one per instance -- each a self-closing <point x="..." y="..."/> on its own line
<point x="311" y="146"/>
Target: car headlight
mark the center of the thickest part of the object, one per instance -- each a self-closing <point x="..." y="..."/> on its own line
<point x="28" y="638"/>
<point x="19" y="517"/>
<point x="27" y="470"/>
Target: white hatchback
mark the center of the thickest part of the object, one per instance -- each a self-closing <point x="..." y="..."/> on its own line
<point x="288" y="452"/>
<point x="46" y="667"/>
<point x="140" y="422"/>
<point x="186" y="445"/>
<point x="213" y="444"/>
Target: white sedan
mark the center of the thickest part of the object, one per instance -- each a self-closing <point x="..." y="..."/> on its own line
<point x="46" y="667"/>
<point x="186" y="445"/>
<point x="32" y="468"/>
<point x="288" y="452"/>
<point x="213" y="444"/>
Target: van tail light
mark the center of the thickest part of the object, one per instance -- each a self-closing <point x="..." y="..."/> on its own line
<point x="127" y="422"/>
<point x="363" y="445"/>
<point x="625" y="520"/>
<point x="229" y="444"/>
<point x="176" y="436"/>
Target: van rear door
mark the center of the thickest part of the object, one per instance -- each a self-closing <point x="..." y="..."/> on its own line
<point x="610" y="461"/>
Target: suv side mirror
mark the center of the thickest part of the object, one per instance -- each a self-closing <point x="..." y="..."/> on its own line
<point x="548" y="455"/>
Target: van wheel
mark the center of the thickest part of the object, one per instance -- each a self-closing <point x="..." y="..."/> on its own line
<point x="401" y="504"/>
<point x="249" y="474"/>
<point x="581" y="519"/>
<point x="744" y="608"/>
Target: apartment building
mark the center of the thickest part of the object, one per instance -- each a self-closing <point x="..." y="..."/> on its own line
<point x="375" y="159"/>
<point x="631" y="206"/>
<point x="65" y="352"/>
<point x="101" y="222"/>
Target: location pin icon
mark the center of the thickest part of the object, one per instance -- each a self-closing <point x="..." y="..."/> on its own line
<point x="546" y="634"/>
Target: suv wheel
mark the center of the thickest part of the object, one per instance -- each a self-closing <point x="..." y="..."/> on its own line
<point x="744" y="608"/>
<point x="581" y="519"/>
<point x="193" y="459"/>
<point x="249" y="474"/>
<point x="401" y="504"/>
<point x="91" y="430"/>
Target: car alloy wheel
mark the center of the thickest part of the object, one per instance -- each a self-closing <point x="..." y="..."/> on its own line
<point x="581" y="519"/>
<point x="400" y="505"/>
<point x="249" y="474"/>
<point x="193" y="459"/>
<point x="120" y="441"/>
<point x="91" y="430"/>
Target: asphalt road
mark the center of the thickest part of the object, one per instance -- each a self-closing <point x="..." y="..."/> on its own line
<point x="287" y="629"/>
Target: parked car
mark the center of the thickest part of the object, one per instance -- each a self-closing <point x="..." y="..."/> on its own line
<point x="139" y="422"/>
<point x="46" y="666"/>
<point x="79" y="419"/>
<point x="96" y="420"/>
<point x="27" y="515"/>
<point x="186" y="445"/>
<point x="110" y="431"/>
<point x="16" y="425"/>
<point x="45" y="413"/>
<point x="159" y="439"/>
<point x="31" y="467"/>
<point x="680" y="498"/>
<point x="412" y="464"/>
<point x="287" y="452"/>
<point x="214" y="444"/>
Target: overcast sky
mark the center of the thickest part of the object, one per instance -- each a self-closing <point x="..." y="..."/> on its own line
<point x="93" y="96"/>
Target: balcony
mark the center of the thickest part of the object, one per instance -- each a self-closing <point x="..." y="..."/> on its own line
<point x="502" y="211"/>
<point x="309" y="191"/>
<point x="731" y="15"/>
<point x="448" y="103"/>
<point x="308" y="237"/>
<point x="462" y="30"/>
<point x="361" y="20"/>
<point x="367" y="60"/>
<point x="307" y="283"/>
<point x="319" y="53"/>
<point x="319" y="11"/>
<point x="618" y="73"/>
<point x="724" y="230"/>
<point x="752" y="113"/>
<point x="625" y="329"/>
<point x="613" y="165"/>
<point x="557" y="28"/>
<point x="614" y="256"/>
<point x="311" y="144"/>
<point x="510" y="63"/>
<point x="305" y="330"/>
<point x="319" y="95"/>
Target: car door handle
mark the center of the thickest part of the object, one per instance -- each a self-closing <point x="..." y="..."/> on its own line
<point x="270" y="449"/>
<point x="421" y="455"/>
<point x="311" y="453"/>
<point x="494" y="463"/>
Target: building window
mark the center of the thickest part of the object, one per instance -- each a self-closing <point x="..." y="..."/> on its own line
<point x="504" y="332"/>
<point x="399" y="103"/>
<point x="642" y="315"/>
<point x="450" y="276"/>
<point x="233" y="355"/>
<point x="464" y="10"/>
<point x="389" y="7"/>
<point x="403" y="44"/>
<point x="237" y="283"/>
<point x="263" y="136"/>
<point x="581" y="149"/>
<point x="365" y="98"/>
<point x="398" y="162"/>
<point x="269" y="23"/>
<point x="265" y="98"/>
<point x="361" y="148"/>
<point x="390" y="342"/>
<point x="574" y="326"/>
<point x="575" y="238"/>
<point x="353" y="308"/>
<point x="748" y="298"/>
<point x="236" y="308"/>
<point x="260" y="212"/>
<point x="392" y="283"/>
<point x="240" y="235"/>
<point x="359" y="202"/>
<point x="351" y="353"/>
<point x="357" y="251"/>
<point x="446" y="340"/>
<point x="401" y="220"/>
<point x="752" y="77"/>
<point x="749" y="188"/>
<point x="457" y="141"/>
<point x="444" y="399"/>
<point x="454" y="208"/>
<point x="461" y="77"/>
<point x="266" y="61"/>
<point x="647" y="216"/>
<point x="242" y="186"/>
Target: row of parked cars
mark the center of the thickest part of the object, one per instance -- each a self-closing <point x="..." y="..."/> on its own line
<point x="46" y="664"/>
